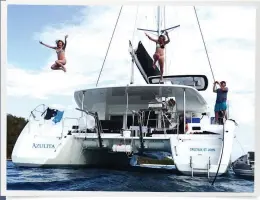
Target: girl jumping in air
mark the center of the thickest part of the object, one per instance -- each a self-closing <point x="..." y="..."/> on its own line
<point x="60" y="50"/>
<point x="159" y="52"/>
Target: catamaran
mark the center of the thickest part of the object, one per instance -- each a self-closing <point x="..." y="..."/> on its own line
<point x="132" y="119"/>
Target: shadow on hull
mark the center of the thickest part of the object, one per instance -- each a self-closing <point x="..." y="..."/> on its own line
<point x="104" y="157"/>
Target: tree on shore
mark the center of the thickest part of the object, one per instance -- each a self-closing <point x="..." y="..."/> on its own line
<point x="14" y="127"/>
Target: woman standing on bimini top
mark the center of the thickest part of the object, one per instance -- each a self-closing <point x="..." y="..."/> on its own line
<point x="60" y="50"/>
<point x="159" y="53"/>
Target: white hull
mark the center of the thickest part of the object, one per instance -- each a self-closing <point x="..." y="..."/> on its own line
<point x="36" y="150"/>
<point x="192" y="154"/>
<point x="75" y="157"/>
<point x="195" y="156"/>
<point x="63" y="152"/>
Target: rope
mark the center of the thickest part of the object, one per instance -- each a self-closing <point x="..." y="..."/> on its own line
<point x="240" y="146"/>
<point x="204" y="43"/>
<point x="109" y="45"/>
<point x="222" y="150"/>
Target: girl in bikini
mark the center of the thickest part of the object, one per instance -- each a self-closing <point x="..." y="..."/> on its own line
<point x="159" y="52"/>
<point x="60" y="50"/>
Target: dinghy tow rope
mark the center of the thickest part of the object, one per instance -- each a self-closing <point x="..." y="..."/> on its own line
<point x="222" y="150"/>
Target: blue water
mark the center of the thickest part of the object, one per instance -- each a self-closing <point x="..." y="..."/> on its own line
<point x="134" y="179"/>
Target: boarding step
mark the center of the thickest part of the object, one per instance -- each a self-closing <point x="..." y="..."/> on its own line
<point x="200" y="163"/>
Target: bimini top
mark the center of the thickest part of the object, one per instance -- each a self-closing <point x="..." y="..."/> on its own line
<point x="96" y="98"/>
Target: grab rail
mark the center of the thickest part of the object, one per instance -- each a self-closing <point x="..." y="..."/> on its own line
<point x="68" y="118"/>
<point x="98" y="125"/>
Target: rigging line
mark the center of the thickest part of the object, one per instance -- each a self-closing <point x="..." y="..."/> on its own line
<point x="222" y="150"/>
<point x="241" y="146"/>
<point x="204" y="43"/>
<point x="109" y="45"/>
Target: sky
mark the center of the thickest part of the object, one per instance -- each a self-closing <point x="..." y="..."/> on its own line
<point x="229" y="33"/>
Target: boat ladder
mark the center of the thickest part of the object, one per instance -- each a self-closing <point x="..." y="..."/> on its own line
<point x="199" y="164"/>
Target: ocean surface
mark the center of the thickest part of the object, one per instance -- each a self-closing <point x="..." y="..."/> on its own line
<point x="139" y="179"/>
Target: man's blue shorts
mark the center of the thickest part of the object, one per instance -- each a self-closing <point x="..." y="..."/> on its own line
<point x="220" y="106"/>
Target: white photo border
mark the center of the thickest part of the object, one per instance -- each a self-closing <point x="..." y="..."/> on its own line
<point x="3" y="62"/>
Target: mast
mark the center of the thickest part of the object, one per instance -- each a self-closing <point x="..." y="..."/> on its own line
<point x="159" y="20"/>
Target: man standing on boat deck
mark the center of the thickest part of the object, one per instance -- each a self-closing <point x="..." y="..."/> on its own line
<point x="221" y="101"/>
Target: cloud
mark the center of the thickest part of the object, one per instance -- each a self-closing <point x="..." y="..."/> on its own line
<point x="43" y="83"/>
<point x="228" y="31"/>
